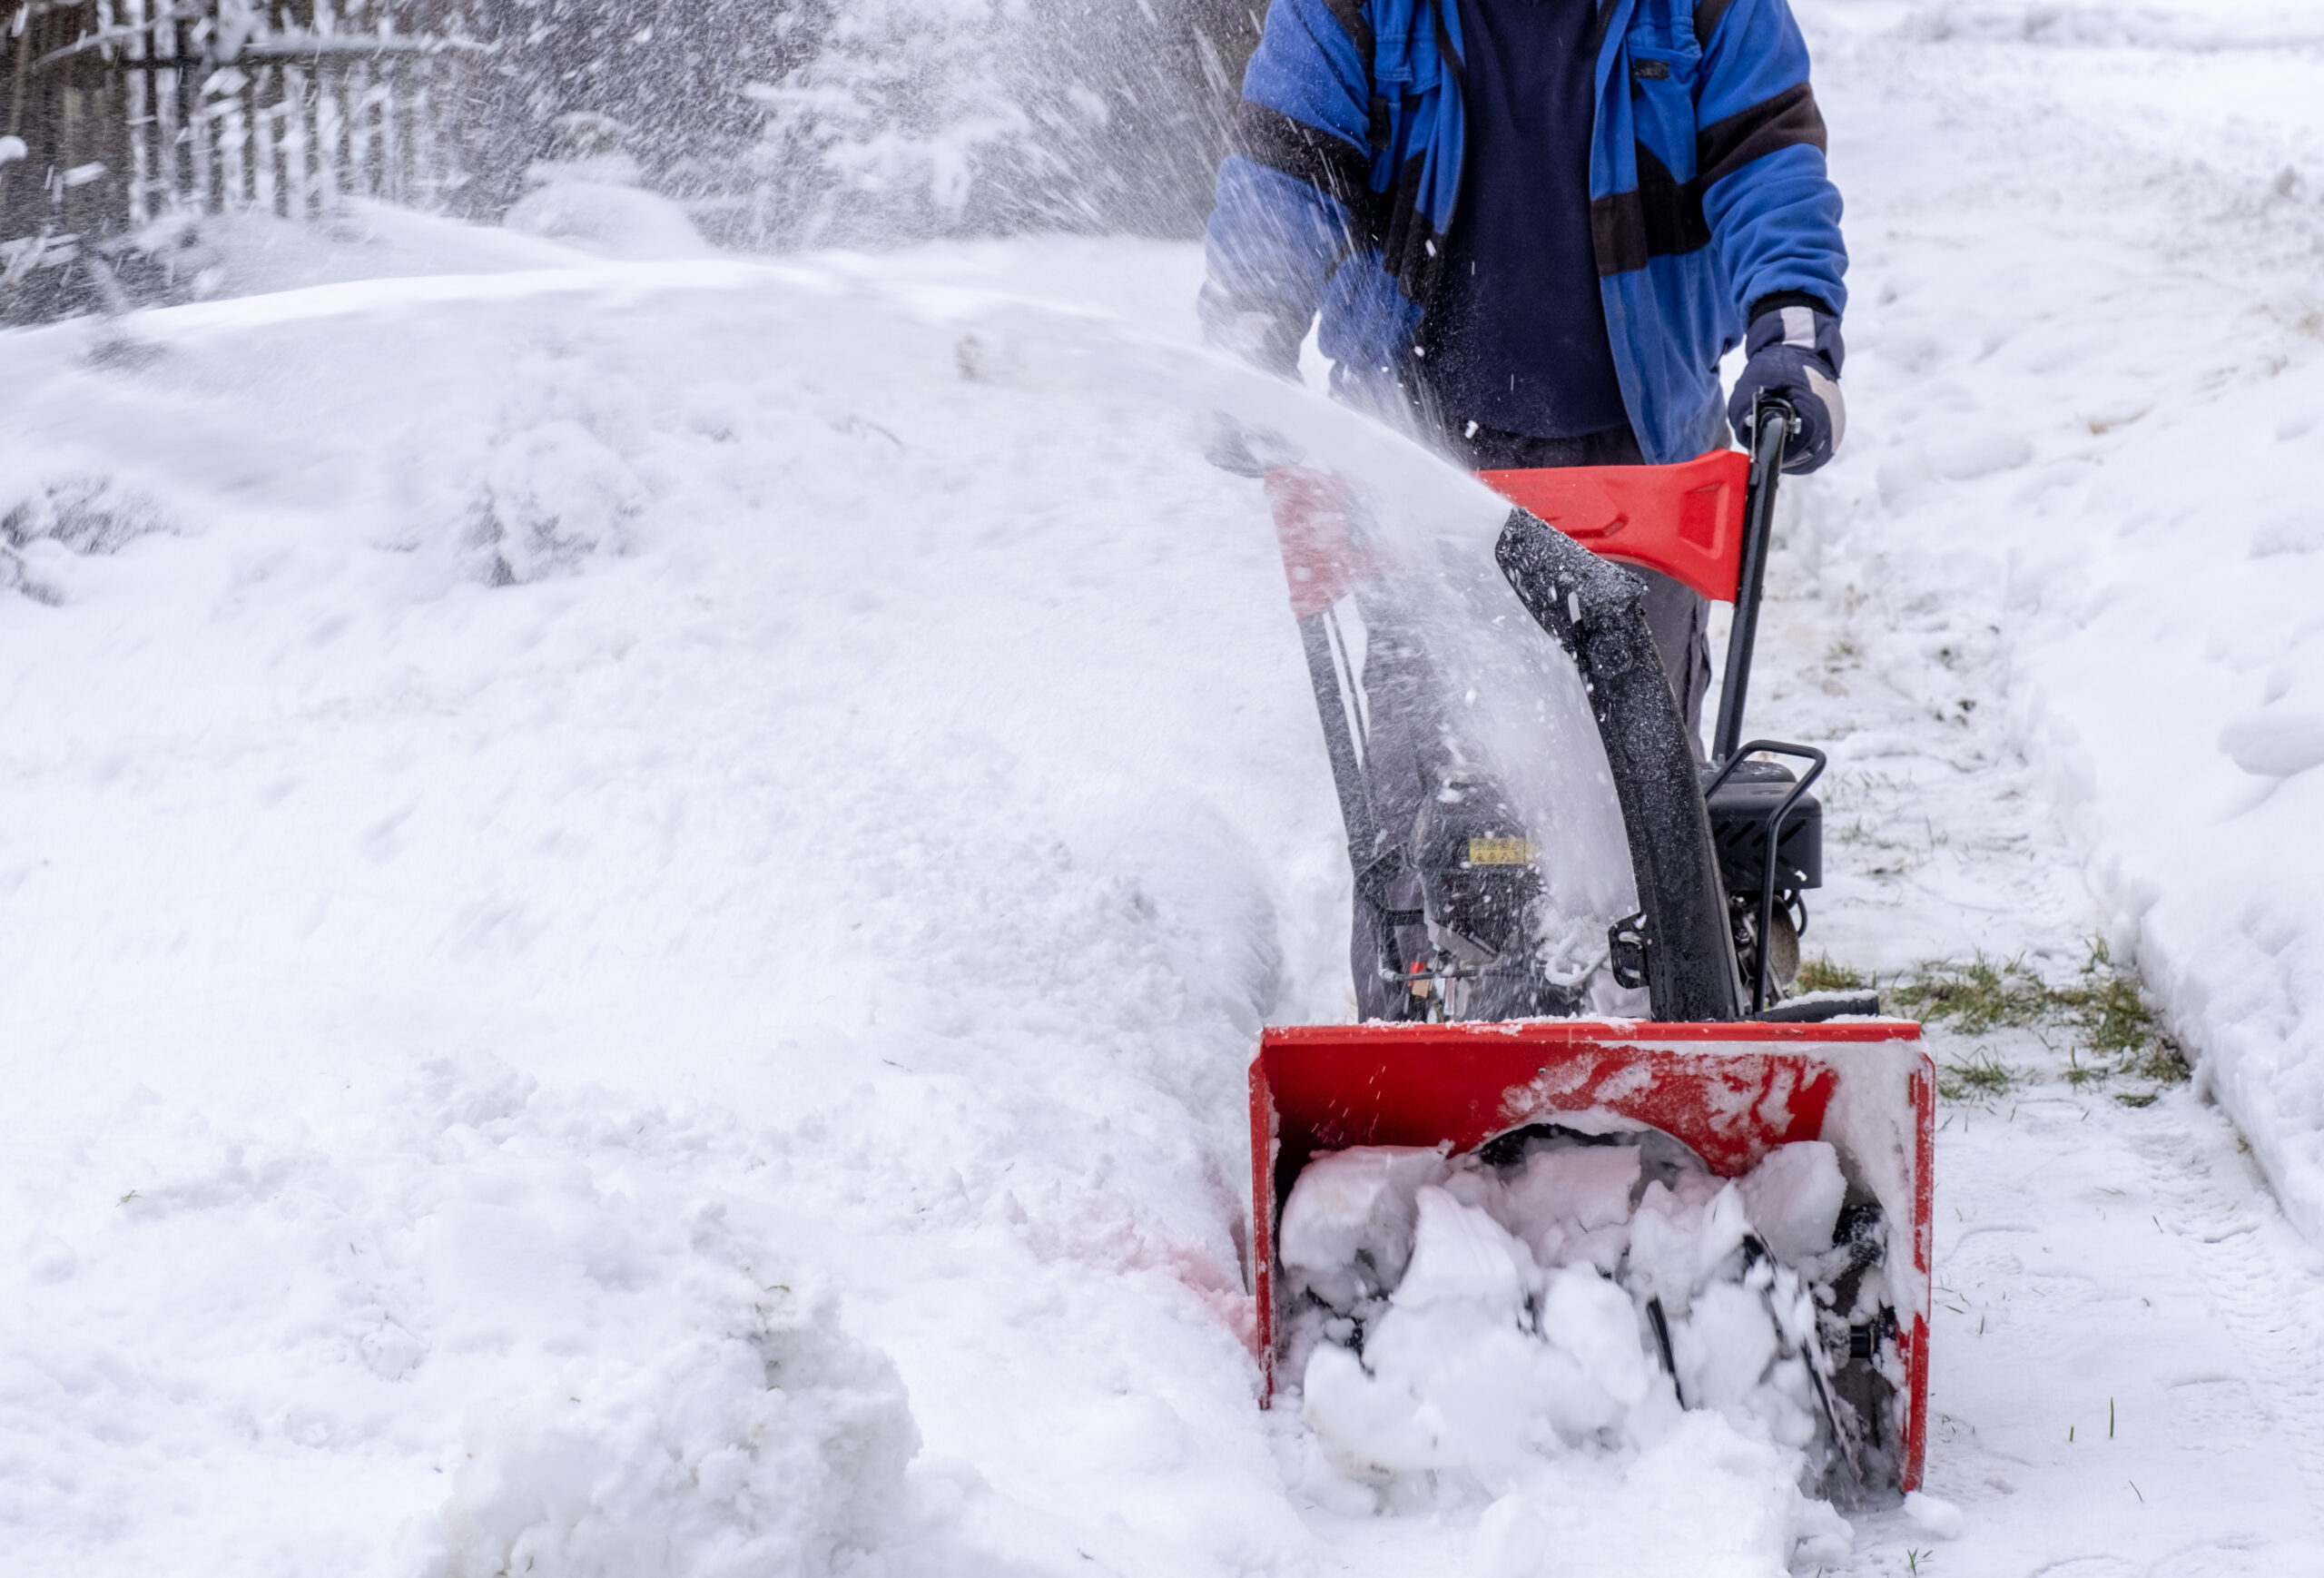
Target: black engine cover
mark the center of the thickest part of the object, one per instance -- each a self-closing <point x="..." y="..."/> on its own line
<point x="1739" y="809"/>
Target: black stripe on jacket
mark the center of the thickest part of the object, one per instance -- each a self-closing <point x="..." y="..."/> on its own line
<point x="1664" y="215"/>
<point x="1391" y="221"/>
<point x="1349" y="14"/>
<point x="1334" y="167"/>
<point x="1709" y="14"/>
<point x="1784" y="121"/>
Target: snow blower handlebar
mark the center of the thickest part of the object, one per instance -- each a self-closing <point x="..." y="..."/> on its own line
<point x="1773" y="421"/>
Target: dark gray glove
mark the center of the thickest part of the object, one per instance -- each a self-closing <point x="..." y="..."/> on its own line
<point x="1794" y="353"/>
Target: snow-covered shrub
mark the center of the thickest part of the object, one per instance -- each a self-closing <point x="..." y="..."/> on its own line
<point x="901" y="116"/>
<point x="68" y="519"/>
<point x="554" y="493"/>
<point x="87" y="514"/>
<point x="588" y="193"/>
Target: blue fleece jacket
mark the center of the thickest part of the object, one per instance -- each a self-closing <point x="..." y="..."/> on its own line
<point x="1707" y="193"/>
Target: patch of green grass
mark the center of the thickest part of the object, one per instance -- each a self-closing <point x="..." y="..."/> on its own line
<point x="2110" y="1031"/>
<point x="1976" y="997"/>
<point x="1980" y="1077"/>
<point x="2121" y="1027"/>
<point x="2109" y="1012"/>
<point x="1823" y="975"/>
<point x="2118" y="1029"/>
<point x="2163" y="1062"/>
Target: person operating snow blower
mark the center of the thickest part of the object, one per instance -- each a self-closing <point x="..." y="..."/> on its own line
<point x="1532" y="228"/>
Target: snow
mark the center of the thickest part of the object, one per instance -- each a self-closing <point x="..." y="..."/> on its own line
<point x="1793" y="1198"/>
<point x="637" y="890"/>
<point x="1346" y="1232"/>
<point x="612" y="217"/>
<point x="2124" y="1359"/>
<point x="638" y="685"/>
<point x="726" y="863"/>
<point x="1569" y="1203"/>
<point x="1940" y="1518"/>
<point x="2019" y="677"/>
<point x="1526" y="1330"/>
<point x="1490" y="1370"/>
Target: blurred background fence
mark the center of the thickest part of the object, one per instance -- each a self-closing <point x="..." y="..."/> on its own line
<point x="775" y="124"/>
<point x="115" y="113"/>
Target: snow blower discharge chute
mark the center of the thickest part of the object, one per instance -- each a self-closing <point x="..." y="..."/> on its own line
<point x="1597" y="1143"/>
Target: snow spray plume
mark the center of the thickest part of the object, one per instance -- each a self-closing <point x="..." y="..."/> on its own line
<point x="801" y="123"/>
<point x="669" y="76"/>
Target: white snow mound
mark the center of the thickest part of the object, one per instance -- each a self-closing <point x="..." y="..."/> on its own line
<point x="765" y="1441"/>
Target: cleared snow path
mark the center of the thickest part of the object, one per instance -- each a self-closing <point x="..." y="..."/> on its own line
<point x="2061" y="221"/>
<point x="2086" y="329"/>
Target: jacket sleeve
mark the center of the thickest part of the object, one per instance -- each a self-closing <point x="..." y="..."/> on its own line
<point x="1773" y="211"/>
<point x="1293" y="183"/>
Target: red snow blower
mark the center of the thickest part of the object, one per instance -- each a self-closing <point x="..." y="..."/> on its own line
<point x="1490" y="1045"/>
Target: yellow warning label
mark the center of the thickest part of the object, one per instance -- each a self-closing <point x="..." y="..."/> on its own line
<point x="1501" y="851"/>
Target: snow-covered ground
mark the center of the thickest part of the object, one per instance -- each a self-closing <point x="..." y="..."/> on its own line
<point x="2087" y="318"/>
<point x="638" y="892"/>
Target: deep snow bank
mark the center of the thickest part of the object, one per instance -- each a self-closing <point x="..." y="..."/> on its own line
<point x="659" y="682"/>
<point x="631" y="887"/>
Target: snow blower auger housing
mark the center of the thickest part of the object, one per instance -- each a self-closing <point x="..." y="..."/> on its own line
<point x="1732" y="1092"/>
<point x="1721" y="853"/>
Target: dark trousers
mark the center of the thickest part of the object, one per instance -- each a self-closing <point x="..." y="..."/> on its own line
<point x="1407" y="699"/>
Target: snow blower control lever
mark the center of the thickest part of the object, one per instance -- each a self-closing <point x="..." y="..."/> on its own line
<point x="1772" y="423"/>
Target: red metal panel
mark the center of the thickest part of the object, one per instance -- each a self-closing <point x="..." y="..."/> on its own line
<point x="1685" y="521"/>
<point x="1263" y="1216"/>
<point x="1311" y="528"/>
<point x="1733" y="1092"/>
<point x="1733" y="1106"/>
<point x="1915" y="1342"/>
